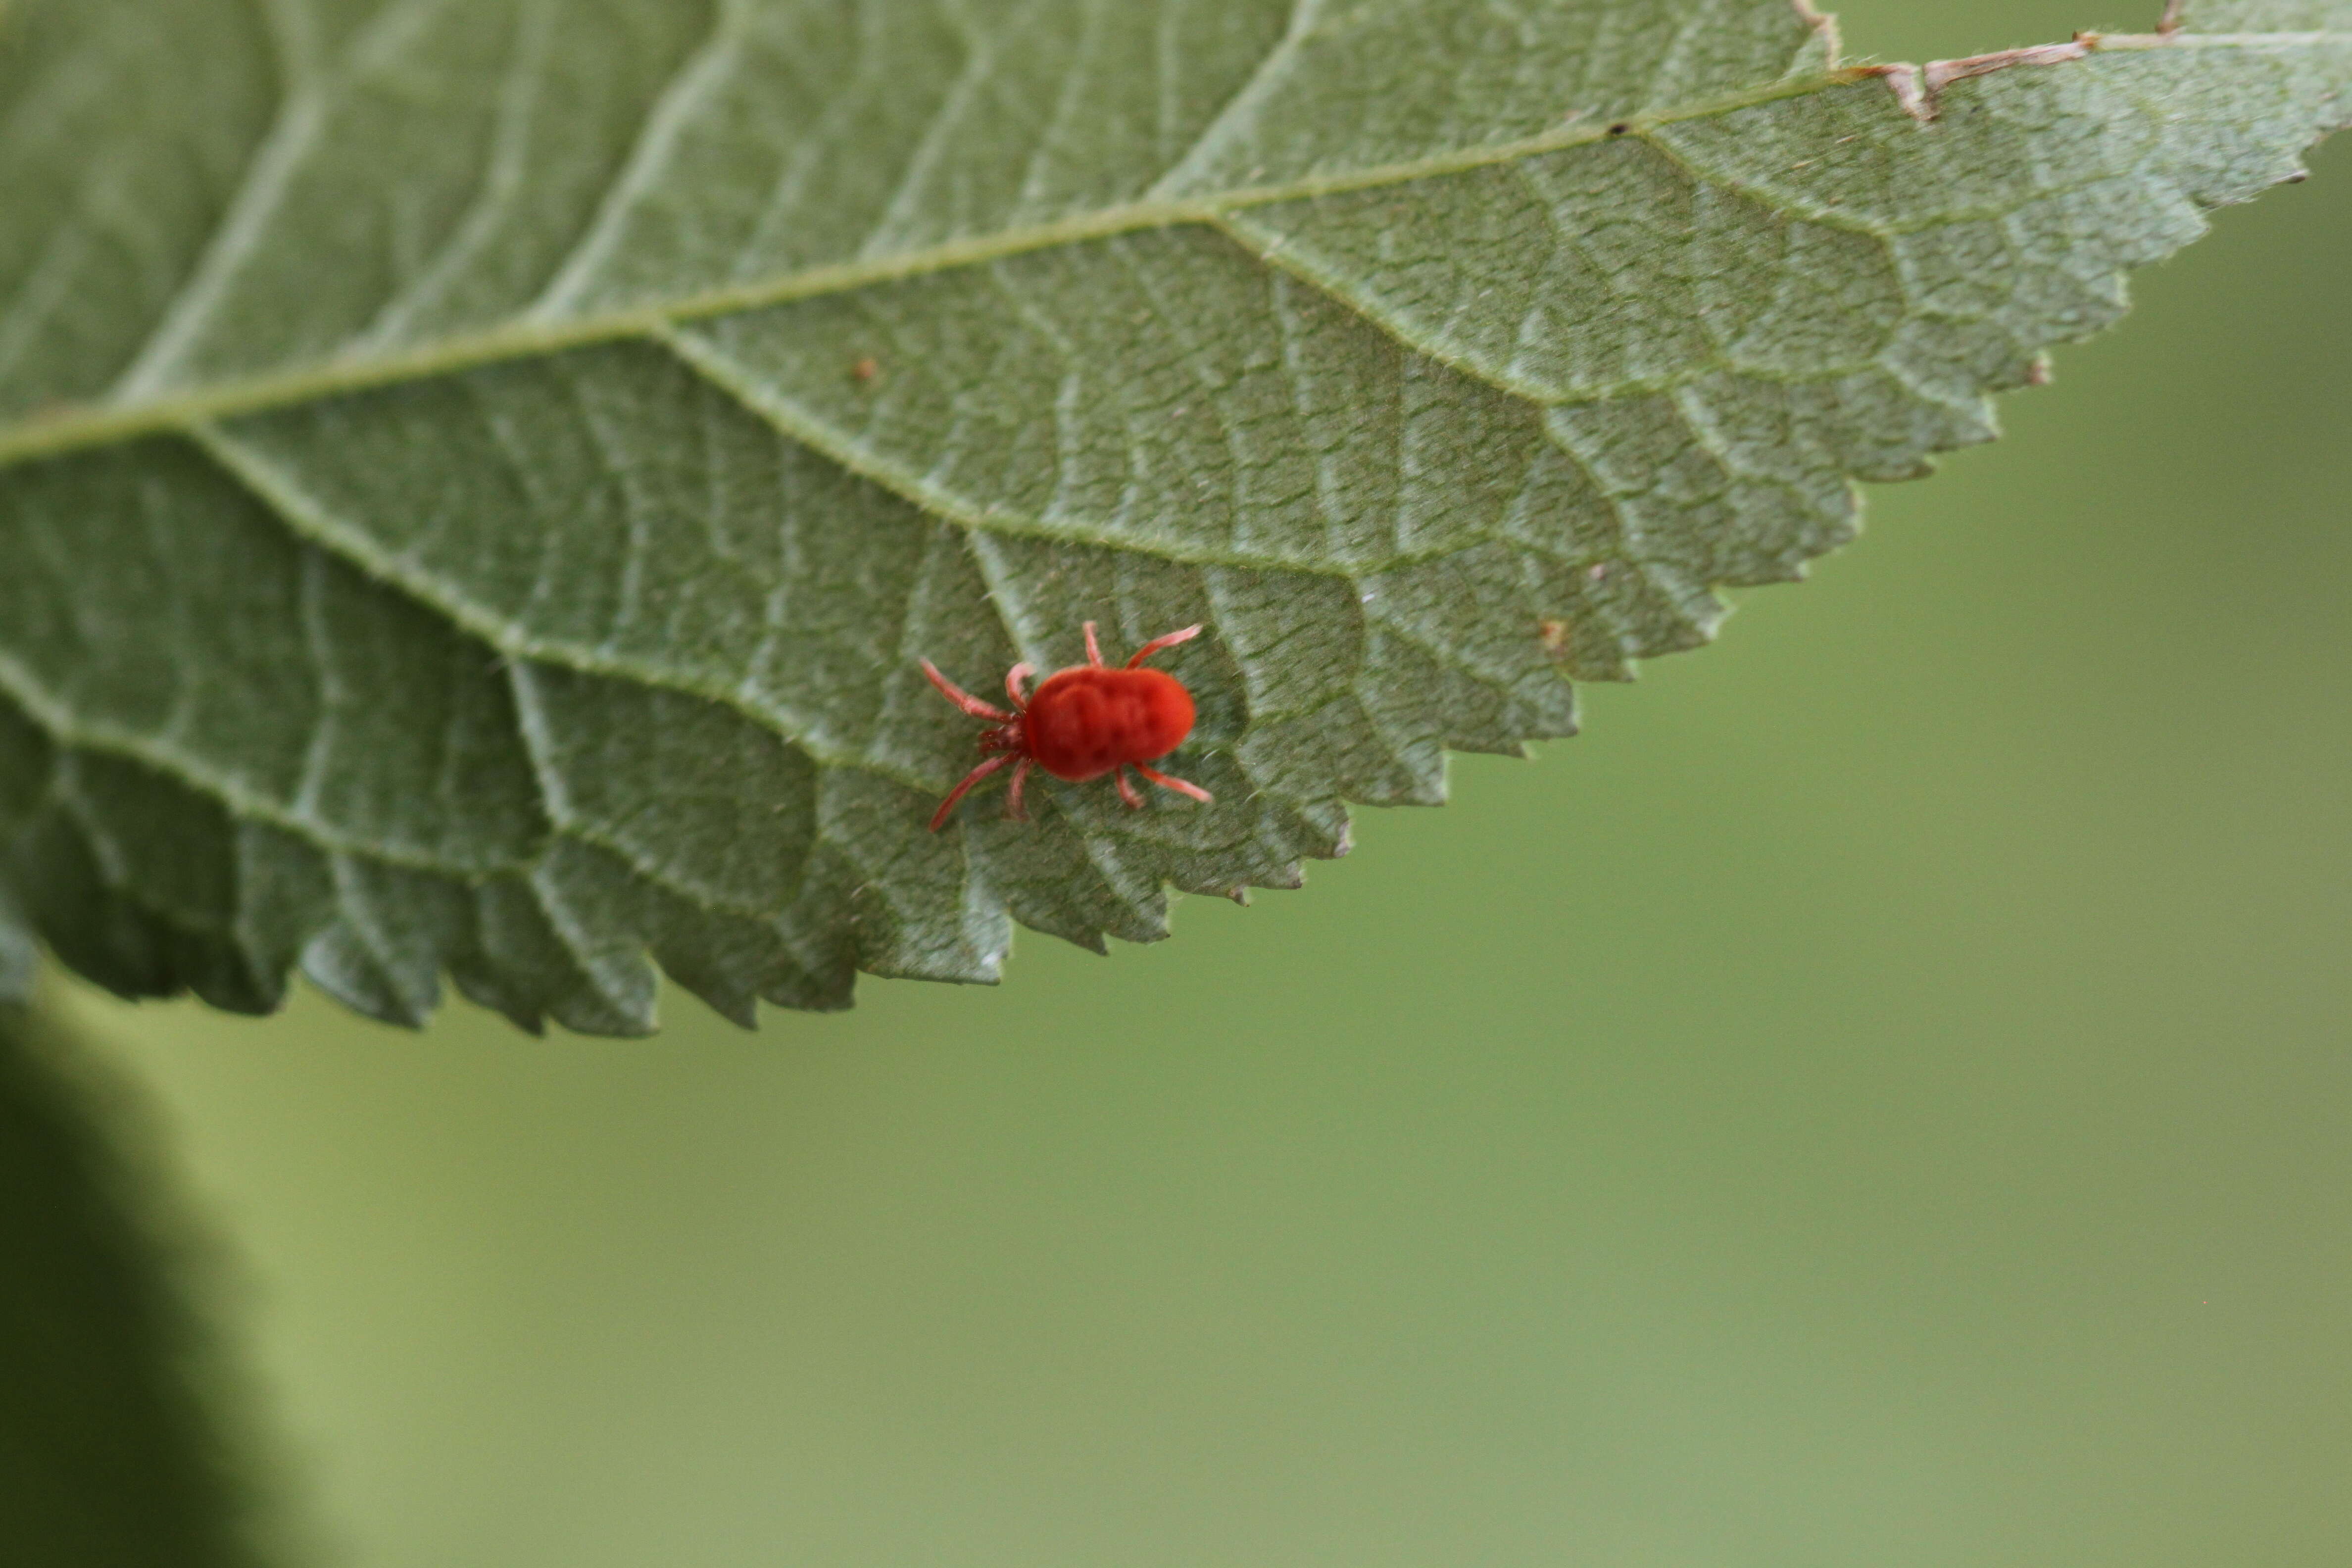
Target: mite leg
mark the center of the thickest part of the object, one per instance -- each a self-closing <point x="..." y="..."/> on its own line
<point x="1013" y="810"/>
<point x="1094" y="648"/>
<point x="938" y="817"/>
<point x="1181" y="787"/>
<point x="963" y="699"/>
<point x="1156" y="643"/>
<point x="1012" y="679"/>
<point x="1126" y="790"/>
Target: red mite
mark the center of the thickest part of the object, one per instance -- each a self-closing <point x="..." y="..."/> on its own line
<point x="1082" y="722"/>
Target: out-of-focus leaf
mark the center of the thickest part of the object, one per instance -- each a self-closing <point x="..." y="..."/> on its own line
<point x="114" y="1452"/>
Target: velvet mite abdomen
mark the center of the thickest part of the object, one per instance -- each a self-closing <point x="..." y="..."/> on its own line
<point x="1086" y="722"/>
<point x="1083" y="722"/>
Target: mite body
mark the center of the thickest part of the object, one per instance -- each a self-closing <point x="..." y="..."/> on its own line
<point x="1081" y="723"/>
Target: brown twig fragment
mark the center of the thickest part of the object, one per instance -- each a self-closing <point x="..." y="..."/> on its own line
<point x="1920" y="89"/>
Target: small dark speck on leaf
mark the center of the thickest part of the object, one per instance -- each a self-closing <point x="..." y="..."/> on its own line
<point x="865" y="372"/>
<point x="1619" y="129"/>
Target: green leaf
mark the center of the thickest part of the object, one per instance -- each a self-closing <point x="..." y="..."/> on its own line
<point x="478" y="479"/>
<point x="115" y="1436"/>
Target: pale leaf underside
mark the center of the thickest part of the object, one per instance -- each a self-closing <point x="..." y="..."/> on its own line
<point x="477" y="479"/>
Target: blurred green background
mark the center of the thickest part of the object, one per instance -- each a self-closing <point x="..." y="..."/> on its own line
<point x="1879" y="1097"/>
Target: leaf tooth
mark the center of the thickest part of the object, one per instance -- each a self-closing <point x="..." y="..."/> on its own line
<point x="530" y="955"/>
<point x="382" y="953"/>
<point x="112" y="933"/>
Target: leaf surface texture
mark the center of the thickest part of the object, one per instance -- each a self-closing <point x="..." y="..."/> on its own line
<point x="476" y="479"/>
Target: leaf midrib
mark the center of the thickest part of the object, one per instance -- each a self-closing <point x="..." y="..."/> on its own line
<point x="82" y="426"/>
